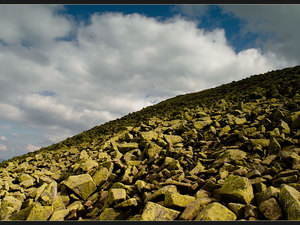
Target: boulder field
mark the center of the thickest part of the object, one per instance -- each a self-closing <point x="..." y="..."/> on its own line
<point x="227" y="153"/>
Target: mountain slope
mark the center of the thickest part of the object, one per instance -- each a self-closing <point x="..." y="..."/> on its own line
<point x="229" y="149"/>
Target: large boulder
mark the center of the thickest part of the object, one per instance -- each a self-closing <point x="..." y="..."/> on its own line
<point x="237" y="189"/>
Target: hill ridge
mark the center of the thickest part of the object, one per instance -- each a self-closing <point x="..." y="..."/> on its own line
<point x="233" y="149"/>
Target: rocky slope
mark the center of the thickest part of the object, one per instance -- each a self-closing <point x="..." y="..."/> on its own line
<point x="226" y="153"/>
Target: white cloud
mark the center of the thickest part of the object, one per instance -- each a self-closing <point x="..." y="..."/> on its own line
<point x="3" y="138"/>
<point x="2" y="147"/>
<point x="32" y="148"/>
<point x="116" y="64"/>
<point x="276" y="21"/>
<point x="31" y="24"/>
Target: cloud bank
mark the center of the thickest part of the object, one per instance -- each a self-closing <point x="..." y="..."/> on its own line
<point x="62" y="77"/>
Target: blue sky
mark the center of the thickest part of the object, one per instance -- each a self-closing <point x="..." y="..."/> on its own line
<point x="66" y="68"/>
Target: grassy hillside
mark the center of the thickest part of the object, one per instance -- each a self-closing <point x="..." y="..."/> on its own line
<point x="232" y="149"/>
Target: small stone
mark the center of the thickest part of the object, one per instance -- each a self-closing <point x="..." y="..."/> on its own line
<point x="270" y="209"/>
<point x="156" y="212"/>
<point x="209" y="213"/>
<point x="267" y="194"/>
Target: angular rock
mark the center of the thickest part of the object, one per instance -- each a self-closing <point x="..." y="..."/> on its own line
<point x="156" y="212"/>
<point x="173" y="139"/>
<point x="48" y="195"/>
<point x="289" y="199"/>
<point x="162" y="191"/>
<point x="194" y="207"/>
<point x="267" y="194"/>
<point x="82" y="184"/>
<point x="100" y="176"/>
<point x="127" y="203"/>
<point x="116" y="195"/>
<point x="177" y="200"/>
<point x="149" y="135"/>
<point x="59" y="215"/>
<point x="209" y="213"/>
<point x="237" y="189"/>
<point x="39" y="212"/>
<point x="9" y="205"/>
<point x="125" y="147"/>
<point x="237" y="208"/>
<point x="113" y="214"/>
<point x="152" y="149"/>
<point x="270" y="209"/>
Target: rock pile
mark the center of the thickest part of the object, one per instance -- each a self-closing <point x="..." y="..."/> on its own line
<point x="231" y="160"/>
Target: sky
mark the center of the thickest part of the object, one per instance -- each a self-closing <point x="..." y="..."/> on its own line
<point x="67" y="68"/>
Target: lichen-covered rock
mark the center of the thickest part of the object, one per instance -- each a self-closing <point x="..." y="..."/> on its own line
<point x="270" y="209"/>
<point x="263" y="142"/>
<point x="289" y="199"/>
<point x="162" y="191"/>
<point x="149" y="135"/>
<point x="82" y="184"/>
<point x="216" y="212"/>
<point x="116" y="195"/>
<point x="152" y="149"/>
<point x="237" y="189"/>
<point x="125" y="146"/>
<point x="205" y="121"/>
<point x="48" y="195"/>
<point x="267" y="194"/>
<point x="39" y="212"/>
<point x="232" y="155"/>
<point x="127" y="203"/>
<point x="9" y="205"/>
<point x="173" y="139"/>
<point x="113" y="214"/>
<point x="237" y="208"/>
<point x="100" y="176"/>
<point x="156" y="212"/>
<point x="59" y="215"/>
<point x="177" y="200"/>
<point x="194" y="207"/>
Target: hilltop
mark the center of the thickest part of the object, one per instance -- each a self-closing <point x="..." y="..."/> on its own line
<point x="233" y="149"/>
